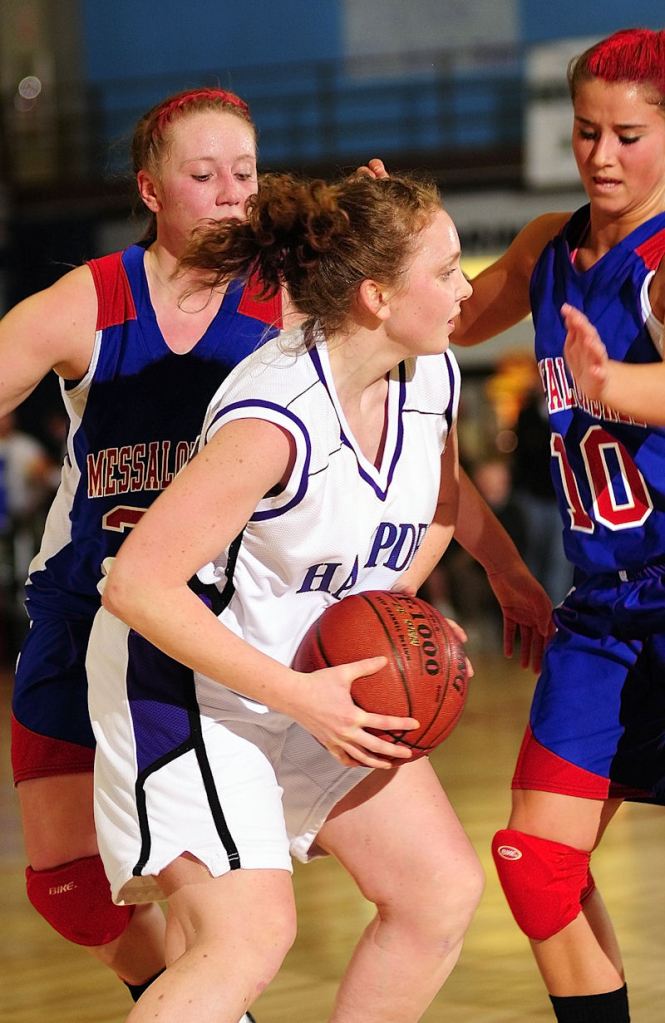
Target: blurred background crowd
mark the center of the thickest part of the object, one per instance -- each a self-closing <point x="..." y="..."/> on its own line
<point x="472" y="94"/>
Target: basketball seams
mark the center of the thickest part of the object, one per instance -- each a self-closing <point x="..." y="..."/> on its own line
<point x="319" y="646"/>
<point x="398" y="660"/>
<point x="453" y="652"/>
<point x="424" y="660"/>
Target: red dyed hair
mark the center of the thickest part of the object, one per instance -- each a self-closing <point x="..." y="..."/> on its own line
<point x="631" y="55"/>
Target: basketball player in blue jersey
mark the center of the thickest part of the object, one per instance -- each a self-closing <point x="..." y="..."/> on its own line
<point x="138" y="365"/>
<point x="324" y="457"/>
<point x="595" y="734"/>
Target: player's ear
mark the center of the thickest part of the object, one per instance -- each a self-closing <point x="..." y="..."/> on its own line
<point x="148" y="191"/>
<point x="374" y="298"/>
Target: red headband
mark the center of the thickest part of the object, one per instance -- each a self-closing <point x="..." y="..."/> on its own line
<point x="180" y="102"/>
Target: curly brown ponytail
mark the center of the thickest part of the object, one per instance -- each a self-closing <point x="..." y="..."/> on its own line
<point x="321" y="240"/>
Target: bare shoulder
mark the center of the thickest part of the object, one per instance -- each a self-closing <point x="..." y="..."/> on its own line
<point x="72" y="299"/>
<point x="534" y="236"/>
<point x="58" y="324"/>
<point x="500" y="296"/>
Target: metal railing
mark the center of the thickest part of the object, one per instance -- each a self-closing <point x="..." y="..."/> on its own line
<point x="460" y="110"/>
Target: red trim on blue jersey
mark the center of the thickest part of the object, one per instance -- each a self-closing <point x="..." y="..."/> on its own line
<point x="41" y="756"/>
<point x="541" y="770"/>
<point x="267" y="310"/>
<point x="115" y="302"/>
<point x="653" y="250"/>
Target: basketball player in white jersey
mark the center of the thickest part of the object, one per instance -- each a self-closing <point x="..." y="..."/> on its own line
<point x="326" y="458"/>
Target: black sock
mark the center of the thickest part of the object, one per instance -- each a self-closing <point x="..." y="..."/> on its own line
<point x="136" y="990"/>
<point x="609" y="1008"/>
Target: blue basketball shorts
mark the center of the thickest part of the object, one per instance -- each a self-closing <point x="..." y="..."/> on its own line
<point x="597" y="722"/>
<point x="51" y="731"/>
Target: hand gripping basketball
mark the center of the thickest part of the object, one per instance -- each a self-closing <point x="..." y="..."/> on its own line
<point x="425" y="675"/>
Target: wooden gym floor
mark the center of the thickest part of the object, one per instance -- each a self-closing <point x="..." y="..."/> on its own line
<point x="46" y="980"/>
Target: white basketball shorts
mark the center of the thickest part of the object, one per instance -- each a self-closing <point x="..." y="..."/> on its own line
<point x="185" y="765"/>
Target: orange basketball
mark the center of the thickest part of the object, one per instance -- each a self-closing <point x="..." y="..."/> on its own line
<point x="425" y="677"/>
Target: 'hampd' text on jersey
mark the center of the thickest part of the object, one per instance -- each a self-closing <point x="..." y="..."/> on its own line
<point x="393" y="545"/>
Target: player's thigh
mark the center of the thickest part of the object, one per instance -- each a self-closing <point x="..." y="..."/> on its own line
<point x="58" y="819"/>
<point x="396" y="830"/>
<point x="571" y="820"/>
<point x="246" y="904"/>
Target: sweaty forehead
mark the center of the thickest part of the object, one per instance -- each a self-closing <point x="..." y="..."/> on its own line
<point x="211" y="132"/>
<point x="624" y="102"/>
<point x="444" y="230"/>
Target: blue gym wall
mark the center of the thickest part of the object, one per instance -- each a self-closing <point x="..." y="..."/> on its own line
<point x="542" y="20"/>
<point x="329" y="79"/>
<point x="134" y="37"/>
<point x="128" y="38"/>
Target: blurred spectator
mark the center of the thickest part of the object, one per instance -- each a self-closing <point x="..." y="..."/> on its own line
<point x="543" y="546"/>
<point x="55" y="438"/>
<point x="26" y="487"/>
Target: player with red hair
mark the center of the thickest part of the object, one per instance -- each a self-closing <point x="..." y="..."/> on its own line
<point x="595" y="735"/>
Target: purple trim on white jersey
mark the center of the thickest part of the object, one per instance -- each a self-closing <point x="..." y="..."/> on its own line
<point x="380" y="492"/>
<point x="259" y="516"/>
<point x="448" y="414"/>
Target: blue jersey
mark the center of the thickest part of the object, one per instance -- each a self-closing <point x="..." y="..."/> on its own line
<point x="608" y="470"/>
<point x="134" y="422"/>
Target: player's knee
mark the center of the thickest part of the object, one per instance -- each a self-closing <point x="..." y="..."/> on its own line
<point x="75" y="899"/>
<point x="280" y="935"/>
<point x="545" y="882"/>
<point x="456" y="903"/>
<point x="433" y="912"/>
<point x="267" y="938"/>
<point x="452" y="906"/>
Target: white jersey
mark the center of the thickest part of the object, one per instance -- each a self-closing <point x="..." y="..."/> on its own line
<point x="341" y="525"/>
<point x="186" y="764"/>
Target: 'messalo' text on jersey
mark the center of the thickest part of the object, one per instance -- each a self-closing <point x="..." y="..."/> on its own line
<point x="134" y="467"/>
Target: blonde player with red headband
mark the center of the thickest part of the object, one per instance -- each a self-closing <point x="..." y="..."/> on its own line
<point x="137" y="367"/>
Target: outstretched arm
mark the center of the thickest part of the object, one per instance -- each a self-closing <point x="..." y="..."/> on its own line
<point x="526" y="608"/>
<point x="635" y="390"/>
<point x="54" y="329"/>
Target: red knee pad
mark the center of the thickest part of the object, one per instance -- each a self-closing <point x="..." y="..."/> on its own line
<point x="544" y="882"/>
<point x="75" y="899"/>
